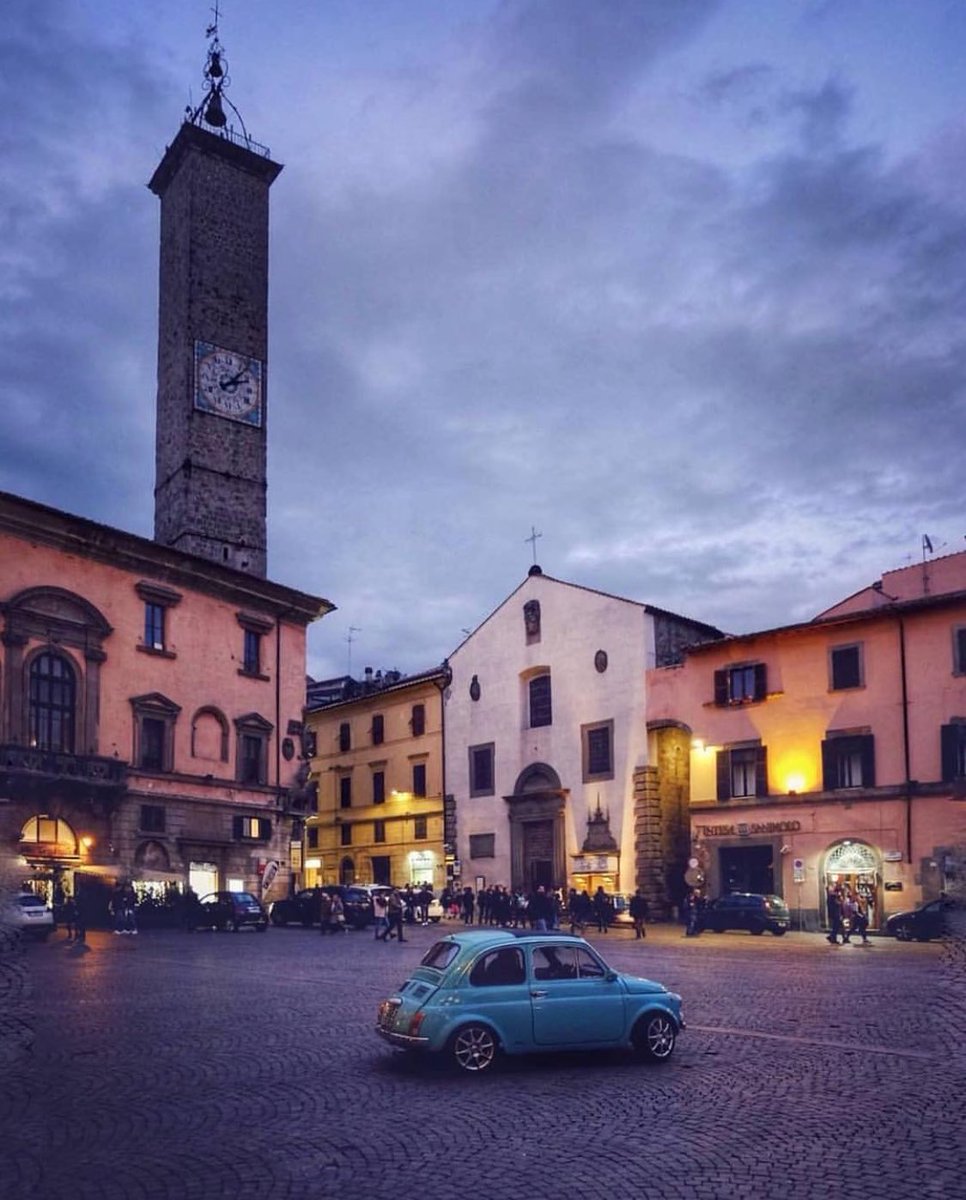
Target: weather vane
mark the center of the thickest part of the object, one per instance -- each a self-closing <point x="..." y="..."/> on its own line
<point x="211" y="110"/>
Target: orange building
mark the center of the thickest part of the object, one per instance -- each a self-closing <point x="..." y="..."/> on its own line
<point x="151" y="711"/>
<point x="832" y="751"/>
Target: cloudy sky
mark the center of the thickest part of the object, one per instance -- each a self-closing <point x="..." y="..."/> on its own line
<point x="677" y="283"/>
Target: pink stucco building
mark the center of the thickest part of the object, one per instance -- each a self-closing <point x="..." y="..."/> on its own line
<point x="829" y="751"/>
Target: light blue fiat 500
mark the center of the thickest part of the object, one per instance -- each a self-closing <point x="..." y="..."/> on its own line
<point x="482" y="992"/>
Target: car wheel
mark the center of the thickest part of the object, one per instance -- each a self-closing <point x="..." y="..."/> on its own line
<point x="279" y="921"/>
<point x="474" y="1048"/>
<point x="779" y="932"/>
<point x="654" y="1037"/>
<point x="757" y="928"/>
<point x="903" y="933"/>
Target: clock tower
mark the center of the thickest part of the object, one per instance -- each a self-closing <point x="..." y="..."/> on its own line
<point x="210" y="459"/>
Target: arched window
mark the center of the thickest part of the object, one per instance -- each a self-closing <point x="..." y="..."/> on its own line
<point x="52" y="703"/>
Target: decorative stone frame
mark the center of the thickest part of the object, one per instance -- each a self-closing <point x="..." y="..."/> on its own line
<point x="209" y="710"/>
<point x="253" y="725"/>
<point x="159" y="708"/>
<point x="164" y="597"/>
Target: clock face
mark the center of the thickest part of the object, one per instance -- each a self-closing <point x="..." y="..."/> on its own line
<point x="228" y="384"/>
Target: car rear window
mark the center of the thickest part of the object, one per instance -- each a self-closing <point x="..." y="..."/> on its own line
<point x="30" y="902"/>
<point x="440" y="955"/>
<point x="498" y="968"/>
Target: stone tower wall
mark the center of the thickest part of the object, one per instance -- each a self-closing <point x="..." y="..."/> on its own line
<point x="662" y="822"/>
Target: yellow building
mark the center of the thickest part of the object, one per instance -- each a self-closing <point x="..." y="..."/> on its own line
<point x="376" y="763"/>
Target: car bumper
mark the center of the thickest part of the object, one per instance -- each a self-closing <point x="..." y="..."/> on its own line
<point x="404" y="1040"/>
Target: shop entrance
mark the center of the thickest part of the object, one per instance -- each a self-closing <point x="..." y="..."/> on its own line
<point x="854" y="866"/>
<point x="747" y="869"/>
<point x="203" y="878"/>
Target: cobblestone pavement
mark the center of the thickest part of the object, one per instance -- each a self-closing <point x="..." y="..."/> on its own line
<point x="196" y="1067"/>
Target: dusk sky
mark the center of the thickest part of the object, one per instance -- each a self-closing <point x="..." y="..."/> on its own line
<point x="680" y="284"/>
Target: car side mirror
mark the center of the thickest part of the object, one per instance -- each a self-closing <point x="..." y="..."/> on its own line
<point x="611" y="976"/>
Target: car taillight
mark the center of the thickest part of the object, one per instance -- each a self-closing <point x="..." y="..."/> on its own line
<point x="415" y="1021"/>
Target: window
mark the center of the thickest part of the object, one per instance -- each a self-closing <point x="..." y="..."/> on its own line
<point x="953" y="745"/>
<point x="252" y="653"/>
<point x="378" y="787"/>
<point x="312" y="837"/>
<point x="541" y="712"/>
<point x="554" y="962"/>
<point x="151" y="754"/>
<point x="252" y="829"/>
<point x="419" y="720"/>
<point x="378" y="731"/>
<point x="251" y="754"/>
<point x="345" y="791"/>
<point x="379" y="831"/>
<point x="420" y="829"/>
<point x="848" y="761"/>
<point x="481" y="770"/>
<point x="482" y="845"/>
<point x="154" y="626"/>
<point x="52" y="699"/>
<point x="152" y="818"/>
<point x="419" y="779"/>
<point x="742" y="771"/>
<point x="345" y="835"/>
<point x="742" y="684"/>
<point x="252" y="767"/>
<point x="499" y="968"/>
<point x="154" y="725"/>
<point x="845" y="667"/>
<point x="381" y="869"/>
<point x="157" y="600"/>
<point x="345" y="736"/>
<point x="959" y="651"/>
<point x="598" y="754"/>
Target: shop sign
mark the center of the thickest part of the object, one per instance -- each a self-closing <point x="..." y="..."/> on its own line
<point x="892" y="856"/>
<point x="893" y="885"/>
<point x="584" y="863"/>
<point x="746" y="829"/>
<point x="295" y="856"/>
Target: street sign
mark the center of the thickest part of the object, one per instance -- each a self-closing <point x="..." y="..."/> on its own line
<point x="798" y="870"/>
<point x="693" y="863"/>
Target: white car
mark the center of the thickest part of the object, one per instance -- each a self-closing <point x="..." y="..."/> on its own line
<point x="29" y="914"/>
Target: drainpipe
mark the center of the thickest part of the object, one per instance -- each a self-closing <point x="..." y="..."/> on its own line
<point x="905" y="736"/>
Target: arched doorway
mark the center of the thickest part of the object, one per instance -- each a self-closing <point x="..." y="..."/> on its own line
<point x="856" y="866"/>
<point x="536" y="811"/>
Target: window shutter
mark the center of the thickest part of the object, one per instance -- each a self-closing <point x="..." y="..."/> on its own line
<point x="960" y="667"/>
<point x="761" y="685"/>
<point x="761" y="771"/>
<point x="721" y="688"/>
<point x="949" y="744"/>
<point x="828" y="766"/>
<point x="867" y="750"/>
<point x="236" y="828"/>
<point x="723" y="766"/>
<point x="419" y="720"/>
<point x="264" y="829"/>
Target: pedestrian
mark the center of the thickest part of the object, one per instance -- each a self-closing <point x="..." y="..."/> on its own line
<point x="325" y="911"/>
<point x="539" y="909"/>
<point x="860" y="920"/>
<point x="833" y="902"/>
<point x="639" y="912"/>
<point x="81" y="912"/>
<point x="396" y="907"/>
<point x="468" y="902"/>
<point x="602" y="910"/>
<point x="70" y="917"/>
<point x="337" y="915"/>
<point x="380" y="909"/>
<point x="695" y="909"/>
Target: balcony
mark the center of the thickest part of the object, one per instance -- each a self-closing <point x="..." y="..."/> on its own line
<point x="27" y="773"/>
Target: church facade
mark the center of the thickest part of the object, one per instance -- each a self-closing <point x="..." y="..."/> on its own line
<point x="548" y="759"/>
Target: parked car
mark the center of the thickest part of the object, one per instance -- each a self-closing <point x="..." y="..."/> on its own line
<point x="28" y="913"/>
<point x="481" y="992"/>
<point x="227" y="911"/>
<point x="921" y="924"/>
<point x="303" y="908"/>
<point x="746" y="910"/>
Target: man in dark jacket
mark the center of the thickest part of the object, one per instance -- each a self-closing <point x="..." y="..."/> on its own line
<point x="639" y="910"/>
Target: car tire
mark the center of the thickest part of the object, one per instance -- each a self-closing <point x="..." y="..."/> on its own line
<point x="279" y="921"/>
<point x="757" y="928"/>
<point x="779" y="932"/>
<point x="654" y="1037"/>
<point x="474" y="1048"/>
<point x="903" y="933"/>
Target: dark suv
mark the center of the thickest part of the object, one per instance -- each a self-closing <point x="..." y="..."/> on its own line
<point x="303" y="907"/>
<point x="746" y="910"/>
<point x="227" y="911"/>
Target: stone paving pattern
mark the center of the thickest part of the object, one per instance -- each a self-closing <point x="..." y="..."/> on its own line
<point x="202" y="1066"/>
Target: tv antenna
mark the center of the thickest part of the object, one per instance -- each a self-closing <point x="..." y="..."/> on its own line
<point x="349" y="640"/>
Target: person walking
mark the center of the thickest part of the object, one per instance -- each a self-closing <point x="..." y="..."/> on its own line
<point x="860" y="920"/>
<point x="602" y="910"/>
<point x="70" y="917"/>
<point x="325" y="912"/>
<point x="395" y="912"/>
<point x="639" y="912"/>
<point x="337" y="915"/>
<point x="833" y="902"/>
<point x="468" y="902"/>
<point x="380" y="909"/>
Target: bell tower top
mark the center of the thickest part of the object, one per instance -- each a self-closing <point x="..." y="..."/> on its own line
<point x="212" y="400"/>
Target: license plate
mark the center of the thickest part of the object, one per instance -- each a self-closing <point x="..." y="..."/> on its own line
<point x="387" y="1013"/>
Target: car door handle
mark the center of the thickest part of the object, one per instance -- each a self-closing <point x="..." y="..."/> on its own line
<point x="538" y="995"/>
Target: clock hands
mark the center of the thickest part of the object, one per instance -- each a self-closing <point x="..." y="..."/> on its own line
<point x="231" y="382"/>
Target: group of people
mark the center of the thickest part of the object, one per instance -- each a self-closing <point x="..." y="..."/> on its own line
<point x="540" y="909"/>
<point x="848" y="915"/>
